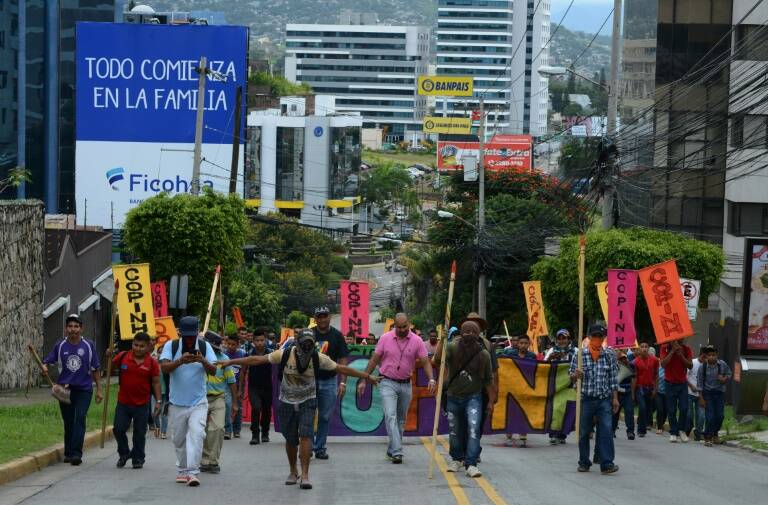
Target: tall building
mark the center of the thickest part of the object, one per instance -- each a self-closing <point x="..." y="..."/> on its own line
<point x="501" y="44"/>
<point x="371" y="68"/>
<point x="39" y="40"/>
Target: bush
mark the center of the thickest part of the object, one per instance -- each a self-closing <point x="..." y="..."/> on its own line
<point x="341" y="266"/>
<point x="297" y="318"/>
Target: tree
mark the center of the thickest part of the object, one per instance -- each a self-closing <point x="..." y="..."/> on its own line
<point x="572" y="109"/>
<point x="297" y="318"/>
<point x="279" y="85"/>
<point x="259" y="302"/>
<point x="632" y="248"/>
<point x="384" y="183"/>
<point x="187" y="234"/>
<point x="571" y="83"/>
<point x="578" y="157"/>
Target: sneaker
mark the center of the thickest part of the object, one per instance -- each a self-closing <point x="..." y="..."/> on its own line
<point x="205" y="468"/>
<point x="659" y="431"/>
<point x="610" y="469"/>
<point x="716" y="440"/>
<point x="227" y="436"/>
<point x="630" y="436"/>
<point x="562" y="441"/>
<point x="321" y="455"/>
<point x="683" y="437"/>
<point x="473" y="471"/>
<point x="509" y="442"/>
<point x="193" y="481"/>
<point x="254" y="440"/>
<point x="181" y="478"/>
<point x="552" y="441"/>
<point x="163" y="436"/>
<point x="237" y="435"/>
<point x="121" y="461"/>
<point x="455" y="466"/>
<point x="265" y="438"/>
<point x="397" y="459"/>
<point x="708" y="443"/>
<point x="75" y="461"/>
<point x="214" y="469"/>
<point x="66" y="459"/>
<point x="673" y="439"/>
<point x="582" y="468"/>
<point x="137" y="465"/>
<point x="641" y="435"/>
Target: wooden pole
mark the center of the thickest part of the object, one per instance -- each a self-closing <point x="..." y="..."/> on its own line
<point x="506" y="330"/>
<point x="213" y="296"/>
<point x="439" y="393"/>
<point x="109" y="365"/>
<point x="579" y="351"/>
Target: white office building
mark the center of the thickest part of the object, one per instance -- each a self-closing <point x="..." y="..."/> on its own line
<point x="499" y="43"/>
<point x="370" y="68"/>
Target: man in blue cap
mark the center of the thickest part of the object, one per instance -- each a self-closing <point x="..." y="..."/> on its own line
<point x="188" y="361"/>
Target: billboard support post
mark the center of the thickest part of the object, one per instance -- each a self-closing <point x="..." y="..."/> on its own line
<point x="236" y="141"/>
<point x="482" y="281"/>
<point x="195" y="183"/>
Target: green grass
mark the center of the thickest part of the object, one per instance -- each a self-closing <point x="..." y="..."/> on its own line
<point x="733" y="428"/>
<point x="29" y="428"/>
<point x="377" y="157"/>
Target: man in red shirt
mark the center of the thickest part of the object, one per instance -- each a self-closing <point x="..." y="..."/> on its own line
<point x="676" y="358"/>
<point x="646" y="387"/>
<point x="139" y="376"/>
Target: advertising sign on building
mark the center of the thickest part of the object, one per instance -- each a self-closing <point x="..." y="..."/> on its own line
<point x="442" y="85"/>
<point x="136" y="106"/>
<point x="449" y="125"/>
<point x="754" y="334"/>
<point x="503" y="152"/>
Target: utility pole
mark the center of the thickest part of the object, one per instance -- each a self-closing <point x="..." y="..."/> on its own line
<point x="613" y="105"/>
<point x="195" y="185"/>
<point x="236" y="141"/>
<point x="482" y="283"/>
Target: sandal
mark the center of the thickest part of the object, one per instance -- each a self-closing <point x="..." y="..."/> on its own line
<point x="292" y="479"/>
<point x="305" y="484"/>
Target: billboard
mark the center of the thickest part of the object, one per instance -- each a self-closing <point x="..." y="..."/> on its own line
<point x="443" y="85"/>
<point x="754" y="334"/>
<point x="136" y="105"/>
<point x="450" y="125"/>
<point x="503" y="152"/>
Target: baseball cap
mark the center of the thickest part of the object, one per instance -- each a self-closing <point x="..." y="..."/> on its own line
<point x="322" y="310"/>
<point x="563" y="331"/>
<point x="304" y="335"/>
<point x="188" y="326"/>
<point x="597" y="330"/>
<point x="75" y="318"/>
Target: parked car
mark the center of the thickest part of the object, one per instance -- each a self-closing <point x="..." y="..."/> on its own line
<point x="424" y="168"/>
<point x="414" y="172"/>
<point x="400" y="216"/>
<point x="417" y="149"/>
<point x="389" y="237"/>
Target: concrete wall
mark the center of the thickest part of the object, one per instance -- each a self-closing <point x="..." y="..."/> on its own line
<point x="22" y="238"/>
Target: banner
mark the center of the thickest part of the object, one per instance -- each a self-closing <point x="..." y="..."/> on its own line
<point x="602" y="295"/>
<point x="355" y="296"/>
<point x="165" y="330"/>
<point x="441" y="85"/>
<point x="134" y="300"/>
<point x="448" y="125"/>
<point x="238" y="317"/>
<point x="754" y="311"/>
<point x="159" y="299"/>
<point x="666" y="305"/>
<point x="503" y="152"/>
<point x="622" y="298"/>
<point x="537" y="320"/>
<point x="285" y="334"/>
<point x="691" y="291"/>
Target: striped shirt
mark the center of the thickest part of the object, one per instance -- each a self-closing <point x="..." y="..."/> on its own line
<point x="599" y="379"/>
<point x="217" y="384"/>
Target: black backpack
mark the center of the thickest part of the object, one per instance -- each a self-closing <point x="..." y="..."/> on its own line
<point x="286" y="356"/>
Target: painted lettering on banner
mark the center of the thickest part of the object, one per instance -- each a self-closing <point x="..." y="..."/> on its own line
<point x="134" y="300"/>
<point x="159" y="298"/>
<point x="537" y="321"/>
<point x="666" y="305"/>
<point x="355" y="299"/>
<point x="602" y="296"/>
<point x="622" y="299"/>
<point x="165" y="330"/>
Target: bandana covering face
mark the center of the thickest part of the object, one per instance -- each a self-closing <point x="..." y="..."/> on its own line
<point x="595" y="345"/>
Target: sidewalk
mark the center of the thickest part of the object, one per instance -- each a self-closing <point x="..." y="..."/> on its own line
<point x="756" y="441"/>
<point x="16" y="397"/>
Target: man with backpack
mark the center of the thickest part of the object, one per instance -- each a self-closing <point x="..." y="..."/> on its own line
<point x="713" y="376"/>
<point x="298" y="365"/>
<point x="139" y="376"/>
<point x="188" y="361"/>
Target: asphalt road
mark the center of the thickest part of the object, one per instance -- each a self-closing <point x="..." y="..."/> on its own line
<point x="653" y="471"/>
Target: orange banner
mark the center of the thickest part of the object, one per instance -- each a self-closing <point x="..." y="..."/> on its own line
<point x="285" y="334"/>
<point x="165" y="330"/>
<point x="537" y="320"/>
<point x="238" y="317"/>
<point x="666" y="304"/>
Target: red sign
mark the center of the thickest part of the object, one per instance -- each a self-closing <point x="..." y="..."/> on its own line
<point x="503" y="152"/>
<point x="159" y="298"/>
<point x="664" y="297"/>
<point x="355" y="297"/>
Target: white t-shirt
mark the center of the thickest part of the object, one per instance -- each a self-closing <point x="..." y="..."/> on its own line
<point x="692" y="376"/>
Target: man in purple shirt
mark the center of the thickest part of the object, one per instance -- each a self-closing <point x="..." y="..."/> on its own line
<point x="399" y="352"/>
<point x="78" y="369"/>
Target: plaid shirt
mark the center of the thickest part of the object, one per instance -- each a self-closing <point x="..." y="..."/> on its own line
<point x="599" y="379"/>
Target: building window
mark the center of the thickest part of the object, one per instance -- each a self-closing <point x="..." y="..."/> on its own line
<point x="345" y="163"/>
<point x="290" y="163"/>
<point x="747" y="219"/>
<point x="3" y="79"/>
<point x="751" y="43"/>
<point x="749" y="131"/>
<point x="253" y="164"/>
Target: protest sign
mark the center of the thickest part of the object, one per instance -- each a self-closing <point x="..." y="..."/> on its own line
<point x="622" y="298"/>
<point x="602" y="295"/>
<point x="666" y="305"/>
<point x="537" y="321"/>
<point x="355" y="296"/>
<point x="238" y="317"/>
<point x="285" y="334"/>
<point x="691" y="292"/>
<point x="159" y="299"/>
<point x="134" y="301"/>
<point x="165" y="330"/>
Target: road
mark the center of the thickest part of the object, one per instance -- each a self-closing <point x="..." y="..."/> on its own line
<point x="653" y="471"/>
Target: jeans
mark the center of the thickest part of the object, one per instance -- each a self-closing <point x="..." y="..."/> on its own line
<point x="261" y="410"/>
<point x="715" y="412"/>
<point x="602" y="409"/>
<point x="232" y="425"/>
<point x="677" y="406"/>
<point x="395" y="399"/>
<point x="327" y="392"/>
<point x="627" y="405"/>
<point x="164" y="415"/>
<point x="661" y="410"/>
<point x="644" y="397"/>
<point x="124" y="414"/>
<point x="695" y="420"/>
<point x="464" y="418"/>
<point x="214" y="429"/>
<point x="74" y="421"/>
<point x="188" y="435"/>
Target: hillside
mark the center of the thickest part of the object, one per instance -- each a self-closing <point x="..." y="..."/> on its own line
<point x="567" y="45"/>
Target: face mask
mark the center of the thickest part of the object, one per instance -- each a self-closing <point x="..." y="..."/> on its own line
<point x="433" y="340"/>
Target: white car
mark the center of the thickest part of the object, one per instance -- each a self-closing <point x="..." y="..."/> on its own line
<point x="390" y="237"/>
<point x="400" y="216"/>
<point x="414" y="172"/>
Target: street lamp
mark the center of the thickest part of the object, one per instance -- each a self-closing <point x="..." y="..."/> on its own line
<point x="547" y="71"/>
<point x="444" y="214"/>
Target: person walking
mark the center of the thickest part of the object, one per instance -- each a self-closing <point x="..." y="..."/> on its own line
<point x="234" y="420"/>
<point x="222" y="380"/>
<point x="78" y="366"/>
<point x="139" y="379"/>
<point x="562" y="351"/>
<point x="330" y="342"/>
<point x="188" y="361"/>
<point x="714" y="375"/>
<point x="469" y="370"/>
<point x="297" y="366"/>
<point x="599" y="400"/>
<point x="696" y="412"/>
<point x="520" y="350"/>
<point x="398" y="352"/>
<point x="676" y="359"/>
<point x="646" y="387"/>
<point x="259" y="385"/>
<point x="627" y="388"/>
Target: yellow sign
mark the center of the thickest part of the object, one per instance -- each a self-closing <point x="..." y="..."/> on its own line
<point x="389" y="325"/>
<point x="452" y="125"/>
<point x="443" y="85"/>
<point x="602" y="294"/>
<point x="537" y="321"/>
<point x="165" y="330"/>
<point x="285" y="334"/>
<point x="312" y="322"/>
<point x="134" y="300"/>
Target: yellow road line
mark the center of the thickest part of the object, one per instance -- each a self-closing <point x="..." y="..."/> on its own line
<point x="453" y="482"/>
<point x="486" y="486"/>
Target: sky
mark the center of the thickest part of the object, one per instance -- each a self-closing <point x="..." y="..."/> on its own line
<point x="585" y="15"/>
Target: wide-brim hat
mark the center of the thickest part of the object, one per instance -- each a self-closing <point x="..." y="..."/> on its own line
<point x="214" y="339"/>
<point x="475" y="318"/>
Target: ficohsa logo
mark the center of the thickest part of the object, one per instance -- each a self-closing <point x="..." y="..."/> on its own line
<point x="114" y="175"/>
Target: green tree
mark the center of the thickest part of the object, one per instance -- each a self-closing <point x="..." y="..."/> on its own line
<point x="187" y="234"/>
<point x="302" y="290"/>
<point x="384" y="183"/>
<point x="571" y="83"/>
<point x="259" y="302"/>
<point x="578" y="157"/>
<point x="297" y="318"/>
<point x="279" y="85"/>
<point x="632" y="248"/>
<point x="572" y="109"/>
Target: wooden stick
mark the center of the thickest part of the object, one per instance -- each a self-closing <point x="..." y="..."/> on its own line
<point x="216" y="278"/>
<point x="113" y="320"/>
<point x="439" y="395"/>
<point x="579" y="352"/>
<point x="506" y="330"/>
<point x="39" y="363"/>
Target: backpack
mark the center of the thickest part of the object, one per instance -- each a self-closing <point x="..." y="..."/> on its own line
<point x="201" y="344"/>
<point x="284" y="361"/>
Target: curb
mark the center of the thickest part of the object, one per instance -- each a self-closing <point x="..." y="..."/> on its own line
<point x="735" y="444"/>
<point x="36" y="461"/>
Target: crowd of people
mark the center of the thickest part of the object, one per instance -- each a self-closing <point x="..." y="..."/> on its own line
<point x="197" y="384"/>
